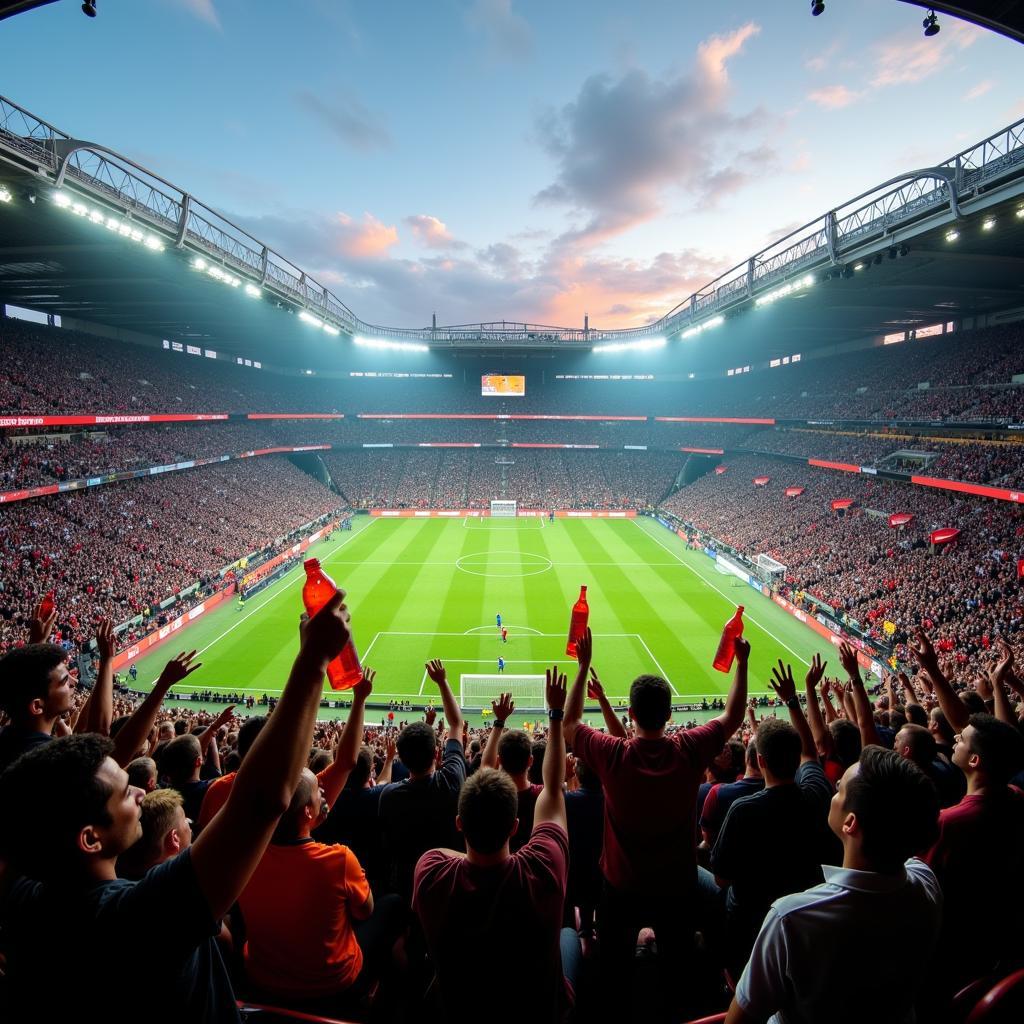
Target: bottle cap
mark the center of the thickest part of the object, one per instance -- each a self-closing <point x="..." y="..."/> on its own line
<point x="739" y="608"/>
<point x="311" y="563"/>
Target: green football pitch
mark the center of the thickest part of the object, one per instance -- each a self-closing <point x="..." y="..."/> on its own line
<point x="431" y="588"/>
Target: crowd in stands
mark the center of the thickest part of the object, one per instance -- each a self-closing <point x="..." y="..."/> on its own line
<point x="119" y="551"/>
<point x="967" y="590"/>
<point x="51" y="370"/>
<point x="642" y="870"/>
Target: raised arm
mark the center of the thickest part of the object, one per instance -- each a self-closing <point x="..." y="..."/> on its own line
<point x="335" y="775"/>
<point x="830" y="712"/>
<point x="209" y="734"/>
<point x="574" y="702"/>
<point x="1004" y="667"/>
<point x="735" y="704"/>
<point x="98" y="710"/>
<point x="39" y="626"/>
<point x="785" y="687"/>
<point x="229" y="848"/>
<point x="865" y="718"/>
<point x="909" y="694"/>
<point x="612" y="722"/>
<point x="823" y="741"/>
<point x="390" y="750"/>
<point x="550" y="804"/>
<point x="436" y="671"/>
<point x="135" y="731"/>
<point x="502" y="708"/>
<point x="950" y="704"/>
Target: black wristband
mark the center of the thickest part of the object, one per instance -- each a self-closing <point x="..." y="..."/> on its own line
<point x="793" y="703"/>
<point x="556" y="714"/>
<point x="499" y="723"/>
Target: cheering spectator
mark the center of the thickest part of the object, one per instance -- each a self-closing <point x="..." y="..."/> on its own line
<point x="650" y="784"/>
<point x="166" y="831"/>
<point x="812" y="943"/>
<point x="490" y="905"/>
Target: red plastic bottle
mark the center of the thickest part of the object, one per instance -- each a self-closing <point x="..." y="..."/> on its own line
<point x="727" y="647"/>
<point x="578" y="622"/>
<point x="345" y="671"/>
<point x="46" y="606"/>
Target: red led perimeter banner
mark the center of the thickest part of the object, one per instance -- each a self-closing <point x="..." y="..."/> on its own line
<point x="704" y="451"/>
<point x="713" y="419"/>
<point x="480" y="513"/>
<point x="110" y="420"/>
<point x="999" y="493"/>
<point x="492" y="416"/>
<point x="844" y="467"/>
<point x="295" y="416"/>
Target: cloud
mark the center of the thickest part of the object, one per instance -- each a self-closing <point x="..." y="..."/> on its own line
<point x="506" y="32"/>
<point x="432" y="232"/>
<point x="979" y="90"/>
<point x="203" y="10"/>
<point x="896" y="63"/>
<point x="348" y="119"/>
<point x="834" y="97"/>
<point x="366" y="239"/>
<point x="621" y="143"/>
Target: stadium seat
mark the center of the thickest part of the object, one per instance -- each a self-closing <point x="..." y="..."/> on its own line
<point x="258" y="1012"/>
<point x="1003" y="1003"/>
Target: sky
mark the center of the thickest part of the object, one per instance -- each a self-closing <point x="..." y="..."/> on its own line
<point x="511" y="159"/>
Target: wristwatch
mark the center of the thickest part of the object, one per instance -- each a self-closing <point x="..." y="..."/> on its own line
<point x="793" y="703"/>
<point x="556" y="714"/>
<point x="499" y="723"/>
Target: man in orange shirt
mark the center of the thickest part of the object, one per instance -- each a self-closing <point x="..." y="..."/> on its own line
<point x="314" y="935"/>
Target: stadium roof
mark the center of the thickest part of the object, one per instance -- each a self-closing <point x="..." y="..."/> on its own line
<point x="90" y="235"/>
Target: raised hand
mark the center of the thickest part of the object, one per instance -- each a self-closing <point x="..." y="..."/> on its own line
<point x="390" y="747"/>
<point x="429" y="715"/>
<point x="595" y="690"/>
<point x="327" y="632"/>
<point x="922" y="649"/>
<point x="782" y="682"/>
<point x="585" y="648"/>
<point x="436" y="671"/>
<point x="105" y="640"/>
<point x="848" y="658"/>
<point x="177" y="669"/>
<point x="364" y="687"/>
<point x="503" y="707"/>
<point x="223" y="718"/>
<point x="554" y="688"/>
<point x="1004" y="666"/>
<point x="40" y="627"/>
<point x="815" y="671"/>
<point x="742" y="648"/>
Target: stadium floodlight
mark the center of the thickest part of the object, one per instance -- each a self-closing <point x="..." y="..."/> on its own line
<point x="5" y="194"/>
<point x="631" y="346"/>
<point x="952" y="235"/>
<point x="331" y="329"/>
<point x="1020" y="212"/>
<point x="392" y="346"/>
<point x="252" y="291"/>
<point x="817" y="7"/>
<point x="988" y="224"/>
<point x="931" y="24"/>
<point x="692" y="332"/>
<point x="858" y="266"/>
<point x="62" y="199"/>
<point x="308" y="318"/>
<point x="199" y="263"/>
<point x="807" y="281"/>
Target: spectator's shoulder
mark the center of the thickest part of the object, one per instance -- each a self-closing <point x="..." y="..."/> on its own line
<point x="919" y="874"/>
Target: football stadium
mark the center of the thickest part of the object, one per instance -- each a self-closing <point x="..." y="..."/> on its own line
<point x="636" y="621"/>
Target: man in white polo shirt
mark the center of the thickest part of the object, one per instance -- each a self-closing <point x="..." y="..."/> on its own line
<point x="816" y="956"/>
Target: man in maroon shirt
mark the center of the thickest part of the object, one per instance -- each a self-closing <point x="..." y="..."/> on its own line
<point x="650" y="785"/>
<point x="490" y="906"/>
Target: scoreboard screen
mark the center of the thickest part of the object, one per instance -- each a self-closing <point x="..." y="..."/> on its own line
<point x="498" y="384"/>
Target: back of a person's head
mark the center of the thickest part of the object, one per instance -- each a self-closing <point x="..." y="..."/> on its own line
<point x="650" y="702"/>
<point x="178" y="762"/>
<point x="974" y="702"/>
<point x="846" y="737"/>
<point x="515" y="749"/>
<point x="918" y="743"/>
<point x="290" y="823"/>
<point x="319" y="759"/>
<point x="417" y="747"/>
<point x="159" y="816"/>
<point x="897" y="719"/>
<point x="47" y="797"/>
<point x="940" y="726"/>
<point x="737" y="755"/>
<point x="25" y="676"/>
<point x="779" y="746"/>
<point x="535" y="773"/>
<point x="589" y="779"/>
<point x="998" y="746"/>
<point x="247" y="733"/>
<point x="360" y="774"/>
<point x="750" y="757"/>
<point x="896" y="806"/>
<point x="180" y="727"/>
<point x="488" y="804"/>
<point x="142" y="773"/>
<point x="916" y="715"/>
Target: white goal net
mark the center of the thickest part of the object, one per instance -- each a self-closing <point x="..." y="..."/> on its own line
<point x="477" y="691"/>
<point x="503" y="509"/>
<point x="769" y="566"/>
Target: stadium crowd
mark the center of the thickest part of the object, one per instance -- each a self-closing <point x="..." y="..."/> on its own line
<point x="637" y="871"/>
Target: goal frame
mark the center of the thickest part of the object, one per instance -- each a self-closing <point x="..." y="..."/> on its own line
<point x="525" y="687"/>
<point x="504" y="508"/>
